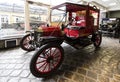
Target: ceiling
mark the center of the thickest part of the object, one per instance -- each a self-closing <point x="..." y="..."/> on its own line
<point x="110" y="5"/>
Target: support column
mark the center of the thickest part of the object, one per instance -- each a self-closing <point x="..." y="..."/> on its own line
<point x="27" y="18"/>
<point x="0" y="23"/>
<point x="49" y="15"/>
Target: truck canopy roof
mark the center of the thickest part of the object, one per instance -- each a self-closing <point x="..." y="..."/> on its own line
<point x="72" y="7"/>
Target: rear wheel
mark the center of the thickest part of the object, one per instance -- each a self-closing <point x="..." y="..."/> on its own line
<point x="97" y="39"/>
<point x="47" y="60"/>
<point x="27" y="43"/>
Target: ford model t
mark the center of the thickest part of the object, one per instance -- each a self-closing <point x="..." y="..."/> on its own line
<point x="78" y="28"/>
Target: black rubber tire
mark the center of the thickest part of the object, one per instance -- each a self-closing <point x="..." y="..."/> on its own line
<point x="22" y="44"/>
<point x="33" y="64"/>
<point x="96" y="35"/>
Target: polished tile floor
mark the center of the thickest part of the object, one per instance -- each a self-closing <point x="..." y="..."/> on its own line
<point x="84" y="65"/>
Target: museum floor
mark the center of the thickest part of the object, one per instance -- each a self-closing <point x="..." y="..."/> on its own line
<point x="84" y="65"/>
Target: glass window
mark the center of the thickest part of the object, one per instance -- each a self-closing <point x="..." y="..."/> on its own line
<point x="11" y="18"/>
<point x="58" y="16"/>
<point x="4" y="19"/>
<point x="38" y="16"/>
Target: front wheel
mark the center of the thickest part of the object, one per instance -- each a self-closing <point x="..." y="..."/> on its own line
<point x="46" y="60"/>
<point x="27" y="43"/>
<point x="97" y="39"/>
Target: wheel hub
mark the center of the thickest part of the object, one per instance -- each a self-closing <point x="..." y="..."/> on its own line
<point x="30" y="42"/>
<point x="49" y="59"/>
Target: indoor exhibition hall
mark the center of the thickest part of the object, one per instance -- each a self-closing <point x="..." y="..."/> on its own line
<point x="59" y="40"/>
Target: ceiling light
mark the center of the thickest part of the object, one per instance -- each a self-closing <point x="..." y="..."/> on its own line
<point x="105" y="0"/>
<point x="112" y="4"/>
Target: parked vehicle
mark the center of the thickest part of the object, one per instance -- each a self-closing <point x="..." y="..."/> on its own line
<point x="78" y="30"/>
<point x="109" y="26"/>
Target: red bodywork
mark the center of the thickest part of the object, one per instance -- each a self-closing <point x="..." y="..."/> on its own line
<point x="89" y="22"/>
<point x="86" y="21"/>
<point x="50" y="31"/>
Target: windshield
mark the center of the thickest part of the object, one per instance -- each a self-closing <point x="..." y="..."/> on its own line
<point x="58" y="16"/>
